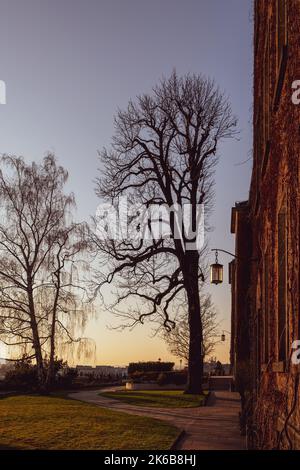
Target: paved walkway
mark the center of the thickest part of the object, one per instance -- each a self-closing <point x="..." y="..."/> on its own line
<point x="212" y="427"/>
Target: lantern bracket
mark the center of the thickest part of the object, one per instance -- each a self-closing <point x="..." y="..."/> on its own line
<point x="224" y="251"/>
<point x="231" y="254"/>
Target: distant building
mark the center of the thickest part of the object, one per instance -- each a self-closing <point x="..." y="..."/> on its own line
<point x="100" y="371"/>
<point x="111" y="370"/>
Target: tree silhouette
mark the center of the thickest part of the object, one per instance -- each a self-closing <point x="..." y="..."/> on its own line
<point x="39" y="298"/>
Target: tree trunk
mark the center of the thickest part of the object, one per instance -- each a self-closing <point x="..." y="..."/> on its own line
<point x="36" y="340"/>
<point x="38" y="356"/>
<point x="195" y="363"/>
<point x="51" y="371"/>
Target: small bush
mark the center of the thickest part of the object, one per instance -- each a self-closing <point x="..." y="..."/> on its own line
<point x="22" y="377"/>
<point x="139" y="377"/>
<point x="67" y="379"/>
<point x="172" y="378"/>
<point x="145" y="367"/>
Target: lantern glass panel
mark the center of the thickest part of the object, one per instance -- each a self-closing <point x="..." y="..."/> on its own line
<point x="216" y="273"/>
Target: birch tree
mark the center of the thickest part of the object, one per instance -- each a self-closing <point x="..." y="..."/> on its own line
<point x="39" y="246"/>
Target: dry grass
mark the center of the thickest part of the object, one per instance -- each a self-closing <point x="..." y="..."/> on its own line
<point x="33" y="422"/>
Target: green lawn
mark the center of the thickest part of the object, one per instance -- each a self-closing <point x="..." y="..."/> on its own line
<point x="33" y="422"/>
<point x="157" y="398"/>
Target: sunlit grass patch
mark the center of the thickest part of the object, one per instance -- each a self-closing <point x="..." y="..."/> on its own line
<point x="33" y="422"/>
<point x="157" y="398"/>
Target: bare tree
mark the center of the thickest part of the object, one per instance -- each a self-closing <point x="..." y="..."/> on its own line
<point x="178" y="338"/>
<point x="40" y="302"/>
<point x="163" y="154"/>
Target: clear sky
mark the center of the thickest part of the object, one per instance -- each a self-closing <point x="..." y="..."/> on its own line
<point x="68" y="65"/>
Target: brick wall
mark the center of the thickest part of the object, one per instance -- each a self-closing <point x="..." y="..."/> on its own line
<point x="274" y="208"/>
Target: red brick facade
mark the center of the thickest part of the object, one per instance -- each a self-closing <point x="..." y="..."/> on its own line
<point x="274" y="230"/>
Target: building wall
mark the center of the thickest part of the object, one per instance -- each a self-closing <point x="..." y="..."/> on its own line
<point x="274" y="213"/>
<point x="240" y="281"/>
<point x="99" y="371"/>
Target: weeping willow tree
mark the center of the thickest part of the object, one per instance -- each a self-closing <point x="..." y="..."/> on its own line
<point x="43" y="308"/>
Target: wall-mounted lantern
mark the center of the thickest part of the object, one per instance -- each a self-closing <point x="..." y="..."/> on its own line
<point x="223" y="336"/>
<point x="216" y="272"/>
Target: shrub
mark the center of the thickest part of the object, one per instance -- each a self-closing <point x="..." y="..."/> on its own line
<point x="150" y="376"/>
<point x="67" y="379"/>
<point x="144" y="376"/>
<point x="22" y="377"/>
<point x="172" y="378"/>
<point x="157" y="366"/>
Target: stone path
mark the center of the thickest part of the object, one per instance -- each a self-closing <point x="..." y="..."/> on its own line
<point x="211" y="427"/>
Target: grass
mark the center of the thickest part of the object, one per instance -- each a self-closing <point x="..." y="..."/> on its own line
<point x="157" y="398"/>
<point x="33" y="422"/>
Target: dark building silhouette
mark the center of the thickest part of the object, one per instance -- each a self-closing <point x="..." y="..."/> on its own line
<point x="265" y="275"/>
<point x="239" y="277"/>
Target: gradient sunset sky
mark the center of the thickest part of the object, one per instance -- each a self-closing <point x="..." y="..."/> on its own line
<point x="69" y="64"/>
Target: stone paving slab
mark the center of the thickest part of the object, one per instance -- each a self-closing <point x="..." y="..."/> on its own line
<point x="212" y="427"/>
